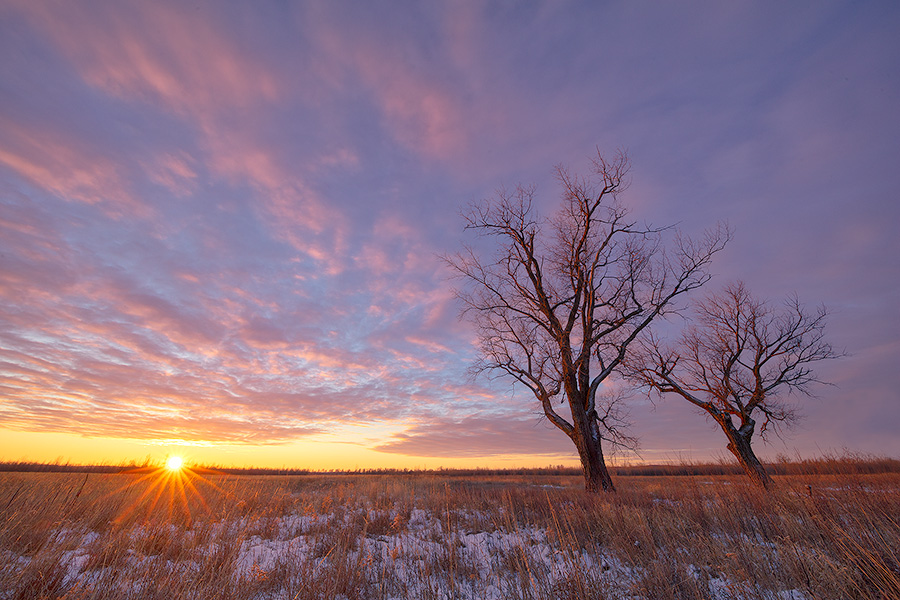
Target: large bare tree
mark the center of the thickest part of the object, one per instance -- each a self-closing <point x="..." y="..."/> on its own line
<point x="559" y="301"/>
<point x="735" y="362"/>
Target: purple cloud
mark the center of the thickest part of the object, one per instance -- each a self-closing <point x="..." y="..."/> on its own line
<point x="224" y="223"/>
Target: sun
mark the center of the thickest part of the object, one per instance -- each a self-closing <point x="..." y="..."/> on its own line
<point x="174" y="463"/>
<point x="176" y="487"/>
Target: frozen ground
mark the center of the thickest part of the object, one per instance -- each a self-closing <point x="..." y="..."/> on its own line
<point x="410" y="554"/>
<point x="151" y="536"/>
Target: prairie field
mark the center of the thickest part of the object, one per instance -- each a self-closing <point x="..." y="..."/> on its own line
<point x="151" y="534"/>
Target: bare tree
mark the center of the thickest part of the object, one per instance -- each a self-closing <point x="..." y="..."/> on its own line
<point x="735" y="362"/>
<point x="558" y="304"/>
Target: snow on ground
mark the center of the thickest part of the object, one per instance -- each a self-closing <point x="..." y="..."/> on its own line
<point x="420" y="559"/>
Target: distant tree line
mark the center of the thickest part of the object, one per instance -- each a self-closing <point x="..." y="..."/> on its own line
<point x="845" y="464"/>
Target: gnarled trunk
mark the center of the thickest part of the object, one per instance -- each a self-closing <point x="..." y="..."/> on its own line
<point x="739" y="445"/>
<point x="593" y="465"/>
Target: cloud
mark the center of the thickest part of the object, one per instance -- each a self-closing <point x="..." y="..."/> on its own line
<point x="487" y="436"/>
<point x="221" y="221"/>
<point x="154" y="342"/>
<point x="177" y="172"/>
<point x="68" y="168"/>
<point x="424" y="105"/>
<point x="162" y="52"/>
<point x="175" y="62"/>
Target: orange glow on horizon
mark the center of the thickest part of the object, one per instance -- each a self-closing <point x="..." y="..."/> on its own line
<point x="324" y="454"/>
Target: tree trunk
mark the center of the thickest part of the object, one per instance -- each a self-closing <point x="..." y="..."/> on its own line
<point x="739" y="445"/>
<point x="593" y="465"/>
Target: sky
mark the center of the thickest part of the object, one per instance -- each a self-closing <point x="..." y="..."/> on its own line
<point x="221" y="223"/>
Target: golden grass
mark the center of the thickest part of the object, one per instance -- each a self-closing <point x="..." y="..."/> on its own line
<point x="434" y="535"/>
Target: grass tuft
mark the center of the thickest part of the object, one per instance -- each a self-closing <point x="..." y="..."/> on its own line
<point x="823" y="533"/>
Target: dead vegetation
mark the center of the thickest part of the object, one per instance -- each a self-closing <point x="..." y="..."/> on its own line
<point x="433" y="535"/>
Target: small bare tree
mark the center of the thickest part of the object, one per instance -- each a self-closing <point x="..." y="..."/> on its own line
<point x="561" y="300"/>
<point x="734" y="362"/>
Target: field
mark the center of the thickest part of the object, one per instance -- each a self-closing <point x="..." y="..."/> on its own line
<point x="152" y="534"/>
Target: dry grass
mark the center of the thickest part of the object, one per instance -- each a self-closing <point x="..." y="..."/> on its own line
<point x="434" y="535"/>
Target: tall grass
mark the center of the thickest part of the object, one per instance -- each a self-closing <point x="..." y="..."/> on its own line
<point x="437" y="535"/>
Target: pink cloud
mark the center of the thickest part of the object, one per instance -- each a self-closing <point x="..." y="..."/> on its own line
<point x="187" y="63"/>
<point x="69" y="377"/>
<point x="114" y="351"/>
<point x="422" y="110"/>
<point x="253" y="206"/>
<point x="293" y="210"/>
<point x="177" y="172"/>
<point x="68" y="168"/>
<point x="488" y="436"/>
<point x="160" y="52"/>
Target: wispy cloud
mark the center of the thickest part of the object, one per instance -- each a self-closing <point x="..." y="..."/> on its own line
<point x="222" y="223"/>
<point x="68" y="168"/>
<point x="487" y="436"/>
<point x="164" y="54"/>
